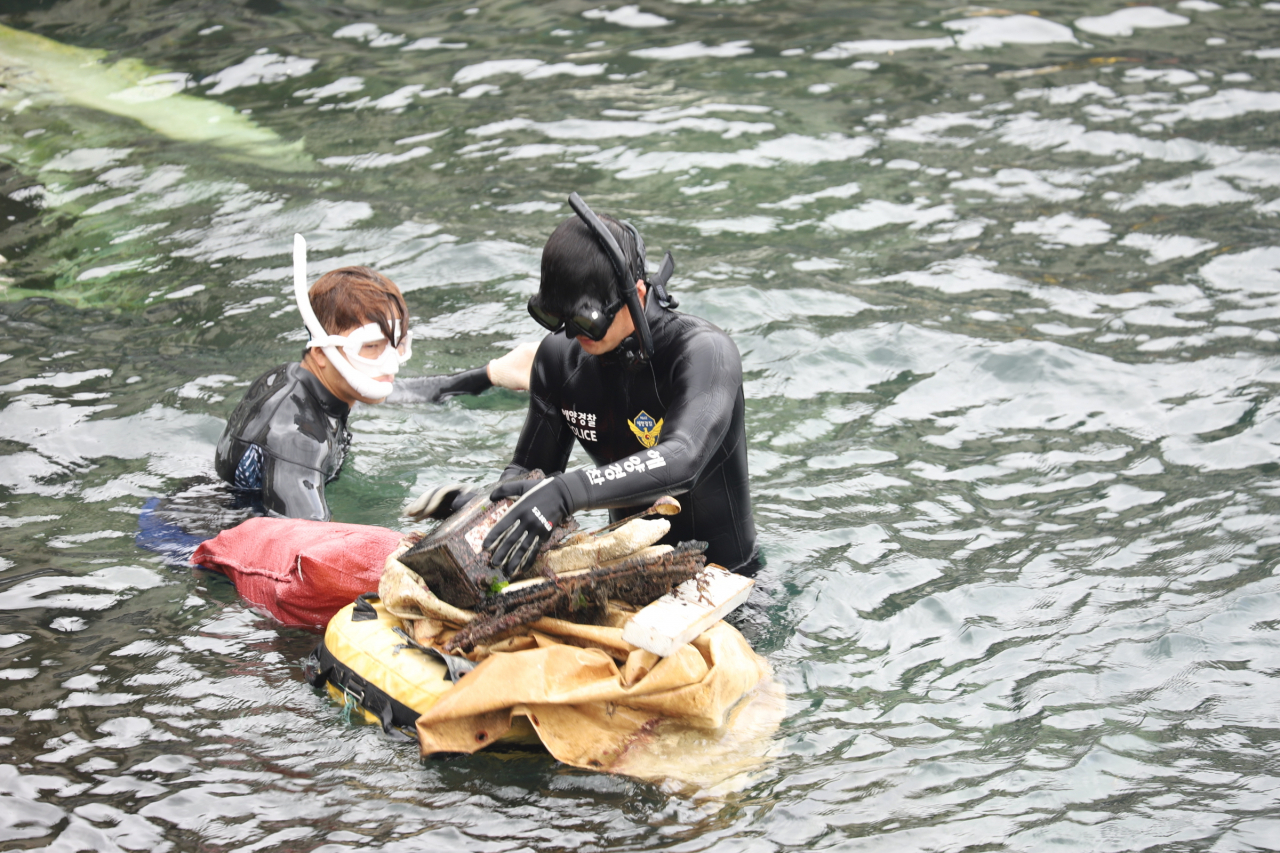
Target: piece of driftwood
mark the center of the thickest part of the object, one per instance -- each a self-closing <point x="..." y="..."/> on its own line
<point x="688" y="610"/>
<point x="587" y="550"/>
<point x="637" y="579"/>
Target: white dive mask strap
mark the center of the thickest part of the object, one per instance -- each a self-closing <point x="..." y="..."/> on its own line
<point x="353" y="367"/>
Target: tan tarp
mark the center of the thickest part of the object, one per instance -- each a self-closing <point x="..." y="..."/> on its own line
<point x="700" y="716"/>
<point x="704" y="717"/>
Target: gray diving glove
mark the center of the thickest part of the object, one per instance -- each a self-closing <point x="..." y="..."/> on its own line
<point x="440" y="502"/>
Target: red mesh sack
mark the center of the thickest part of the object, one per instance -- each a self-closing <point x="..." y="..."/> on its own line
<point x="301" y="572"/>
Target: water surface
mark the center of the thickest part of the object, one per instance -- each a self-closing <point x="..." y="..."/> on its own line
<point x="1005" y="284"/>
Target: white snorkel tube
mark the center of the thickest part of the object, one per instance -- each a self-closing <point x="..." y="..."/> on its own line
<point x="359" y="372"/>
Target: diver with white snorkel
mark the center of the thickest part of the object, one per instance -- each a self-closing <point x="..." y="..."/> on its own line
<point x="287" y="438"/>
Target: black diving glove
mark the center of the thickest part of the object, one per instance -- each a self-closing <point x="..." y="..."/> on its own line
<point x="514" y="541"/>
<point x="440" y="502"/>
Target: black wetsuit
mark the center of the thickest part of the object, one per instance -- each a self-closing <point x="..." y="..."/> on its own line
<point x="670" y="427"/>
<point x="289" y="436"/>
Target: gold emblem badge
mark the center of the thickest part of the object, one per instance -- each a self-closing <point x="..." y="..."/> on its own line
<point x="645" y="429"/>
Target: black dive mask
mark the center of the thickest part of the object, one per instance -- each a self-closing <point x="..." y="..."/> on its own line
<point x="589" y="318"/>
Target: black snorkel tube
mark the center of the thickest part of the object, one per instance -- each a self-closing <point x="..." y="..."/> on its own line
<point x="626" y="284"/>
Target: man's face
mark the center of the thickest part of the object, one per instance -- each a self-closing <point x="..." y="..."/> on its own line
<point x="337" y="383"/>
<point x="621" y="327"/>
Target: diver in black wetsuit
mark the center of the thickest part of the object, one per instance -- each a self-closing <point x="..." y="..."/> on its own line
<point x="288" y="437"/>
<point x="654" y="398"/>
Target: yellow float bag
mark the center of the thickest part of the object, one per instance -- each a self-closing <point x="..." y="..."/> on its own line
<point x="367" y="657"/>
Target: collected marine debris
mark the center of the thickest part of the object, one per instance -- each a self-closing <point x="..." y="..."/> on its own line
<point x="452" y="559"/>
<point x="638" y="580"/>
<point x="444" y="581"/>
<point x="588" y="548"/>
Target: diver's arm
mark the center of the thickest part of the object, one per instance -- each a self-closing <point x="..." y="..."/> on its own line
<point x="706" y="385"/>
<point x="707" y="380"/>
<point x="292" y="490"/>
<point x="434" y="389"/>
<point x="545" y="440"/>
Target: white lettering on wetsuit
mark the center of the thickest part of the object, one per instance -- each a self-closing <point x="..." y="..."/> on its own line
<point x="581" y="424"/>
<point x="619" y="470"/>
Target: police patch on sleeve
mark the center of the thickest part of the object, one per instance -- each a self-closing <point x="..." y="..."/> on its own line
<point x="646" y="429"/>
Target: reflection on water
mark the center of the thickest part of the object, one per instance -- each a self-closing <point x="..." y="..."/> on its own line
<point x="1005" y="284"/>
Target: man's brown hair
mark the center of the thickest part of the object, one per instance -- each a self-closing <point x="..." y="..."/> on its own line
<point x="353" y="296"/>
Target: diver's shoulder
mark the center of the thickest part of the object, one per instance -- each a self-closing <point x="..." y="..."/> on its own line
<point x="692" y="329"/>
<point x="557" y="351"/>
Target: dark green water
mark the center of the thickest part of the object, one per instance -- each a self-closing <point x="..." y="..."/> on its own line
<point x="1005" y="283"/>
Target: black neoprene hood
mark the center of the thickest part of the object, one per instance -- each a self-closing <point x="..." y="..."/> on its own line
<point x="576" y="270"/>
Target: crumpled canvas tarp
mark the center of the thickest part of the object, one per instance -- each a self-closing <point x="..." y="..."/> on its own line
<point x="301" y="572"/>
<point x="700" y="716"/>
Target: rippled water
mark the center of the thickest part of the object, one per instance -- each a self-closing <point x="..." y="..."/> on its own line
<point x="1005" y="284"/>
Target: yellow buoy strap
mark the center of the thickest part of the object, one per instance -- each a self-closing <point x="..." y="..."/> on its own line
<point x="457" y="665"/>
<point x="321" y="667"/>
<point x="364" y="611"/>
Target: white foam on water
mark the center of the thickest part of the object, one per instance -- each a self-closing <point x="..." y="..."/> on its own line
<point x="1166" y="247"/>
<point x="997" y="31"/>
<point x="1066" y="229"/>
<point x="60" y="379"/>
<point x="1264" y="53"/>
<point x="1198" y="189"/>
<point x="847" y="49"/>
<point x="1025" y="183"/>
<point x="434" y="43"/>
<point x="739" y="225"/>
<point x="789" y="149"/>
<point x="672" y="113"/>
<point x="1199" y="5"/>
<point x="795" y="202"/>
<point x="1222" y="105"/>
<point x="539" y="150"/>
<point x="532" y="69"/>
<point x="576" y="128"/>
<point x="370" y="34"/>
<point x="877" y="213"/>
<point x="1060" y="95"/>
<point x="258" y="69"/>
<point x="696" y="50"/>
<point x="817" y="265"/>
<point x="569" y="69"/>
<point x="86" y="159"/>
<point x="526" y="207"/>
<point x="65" y="437"/>
<point x="1124" y="21"/>
<point x="480" y="90"/>
<point x="110" y="583"/>
<point x="1064" y="135"/>
<point x="1168" y="76"/>
<point x="360" y="162"/>
<point x="627" y="16"/>
<point x="926" y="129"/>
<point x="716" y="187"/>
<point x="341" y="86"/>
<point x="1252" y="271"/>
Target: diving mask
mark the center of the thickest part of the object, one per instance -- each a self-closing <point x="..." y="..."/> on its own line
<point x="368" y="349"/>
<point x="366" y="352"/>
<point x="591" y="321"/>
